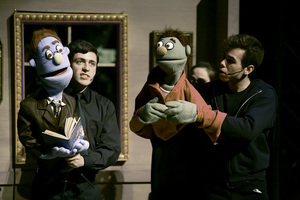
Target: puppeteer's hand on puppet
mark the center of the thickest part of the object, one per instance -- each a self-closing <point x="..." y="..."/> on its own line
<point x="53" y="69"/>
<point x="181" y="112"/>
<point x="152" y="111"/>
<point x="177" y="102"/>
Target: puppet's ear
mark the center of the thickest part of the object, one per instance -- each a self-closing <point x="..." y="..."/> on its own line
<point x="188" y="50"/>
<point x="67" y="50"/>
<point x="32" y="63"/>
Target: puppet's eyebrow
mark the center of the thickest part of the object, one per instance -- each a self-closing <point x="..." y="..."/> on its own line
<point x="46" y="47"/>
<point x="173" y="40"/>
<point x="54" y="42"/>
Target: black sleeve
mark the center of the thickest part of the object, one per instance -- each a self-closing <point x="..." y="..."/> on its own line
<point x="106" y="146"/>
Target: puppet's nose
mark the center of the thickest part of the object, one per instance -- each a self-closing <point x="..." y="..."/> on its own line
<point x="161" y="50"/>
<point x="58" y="58"/>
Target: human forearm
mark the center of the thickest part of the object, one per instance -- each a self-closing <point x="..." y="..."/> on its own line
<point x="101" y="158"/>
<point x="105" y="145"/>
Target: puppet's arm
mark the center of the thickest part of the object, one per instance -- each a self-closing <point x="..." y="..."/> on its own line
<point x="186" y="112"/>
<point x="30" y="142"/>
<point x="212" y="122"/>
<point x="26" y="135"/>
<point x="79" y="147"/>
<point x="139" y="128"/>
<point x="147" y="111"/>
<point x="152" y="112"/>
<point x="181" y="112"/>
<point x="206" y="118"/>
<point x="143" y="118"/>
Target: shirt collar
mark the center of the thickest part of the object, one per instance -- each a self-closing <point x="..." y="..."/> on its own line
<point x="50" y="99"/>
<point x="86" y="94"/>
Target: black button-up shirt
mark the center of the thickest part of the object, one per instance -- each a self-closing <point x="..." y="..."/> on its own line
<point x="101" y="129"/>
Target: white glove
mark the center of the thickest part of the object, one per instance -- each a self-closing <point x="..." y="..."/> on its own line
<point x="79" y="146"/>
<point x="181" y="112"/>
<point x="152" y="112"/>
<point x="57" y="152"/>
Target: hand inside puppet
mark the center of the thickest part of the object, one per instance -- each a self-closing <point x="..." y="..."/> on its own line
<point x="168" y="102"/>
<point x="53" y="68"/>
<point x="152" y="111"/>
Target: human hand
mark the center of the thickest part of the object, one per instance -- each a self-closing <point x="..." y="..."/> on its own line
<point x="75" y="161"/>
<point x="152" y="111"/>
<point x="181" y="112"/>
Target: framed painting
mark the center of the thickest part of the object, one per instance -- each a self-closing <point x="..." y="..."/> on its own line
<point x="107" y="32"/>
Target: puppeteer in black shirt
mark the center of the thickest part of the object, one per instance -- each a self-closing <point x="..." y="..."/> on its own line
<point x="101" y="129"/>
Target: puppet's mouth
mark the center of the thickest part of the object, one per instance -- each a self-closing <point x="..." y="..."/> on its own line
<point x="167" y="59"/>
<point x="55" y="73"/>
<point x="170" y="60"/>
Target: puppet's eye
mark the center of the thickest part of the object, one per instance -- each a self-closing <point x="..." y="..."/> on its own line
<point x="59" y="49"/>
<point x="49" y="54"/>
<point x="159" y="44"/>
<point x="169" y="45"/>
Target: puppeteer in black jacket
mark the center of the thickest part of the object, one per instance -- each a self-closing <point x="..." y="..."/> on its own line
<point x="243" y="151"/>
<point x="54" y="176"/>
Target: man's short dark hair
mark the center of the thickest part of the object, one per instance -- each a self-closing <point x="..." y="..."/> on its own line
<point x="254" y="51"/>
<point x="81" y="46"/>
<point x="212" y="72"/>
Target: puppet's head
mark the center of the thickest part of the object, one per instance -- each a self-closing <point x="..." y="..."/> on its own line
<point x="172" y="51"/>
<point x="51" y="62"/>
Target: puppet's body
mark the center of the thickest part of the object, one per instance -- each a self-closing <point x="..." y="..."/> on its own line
<point x="183" y="90"/>
<point x="53" y="69"/>
<point x="171" y="113"/>
<point x="35" y="116"/>
<point x="182" y="103"/>
<point x="48" y="109"/>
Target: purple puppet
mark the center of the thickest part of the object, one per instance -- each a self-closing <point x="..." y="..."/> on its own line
<point x="48" y="109"/>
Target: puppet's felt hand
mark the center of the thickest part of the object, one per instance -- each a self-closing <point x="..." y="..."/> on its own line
<point x="152" y="111"/>
<point x="47" y="156"/>
<point x="181" y="111"/>
<point x="57" y="152"/>
<point x="61" y="152"/>
<point x="80" y="146"/>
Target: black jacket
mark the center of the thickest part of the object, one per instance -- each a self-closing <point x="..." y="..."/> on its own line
<point x="34" y="117"/>
<point x="243" y="152"/>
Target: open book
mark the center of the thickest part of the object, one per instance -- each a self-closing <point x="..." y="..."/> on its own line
<point x="73" y="131"/>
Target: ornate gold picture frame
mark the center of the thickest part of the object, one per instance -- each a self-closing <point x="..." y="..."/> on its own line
<point x="1" y="65"/>
<point x="108" y="32"/>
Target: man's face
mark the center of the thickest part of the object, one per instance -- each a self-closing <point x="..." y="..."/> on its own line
<point x="199" y="76"/>
<point x="231" y="66"/>
<point x="84" y="68"/>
